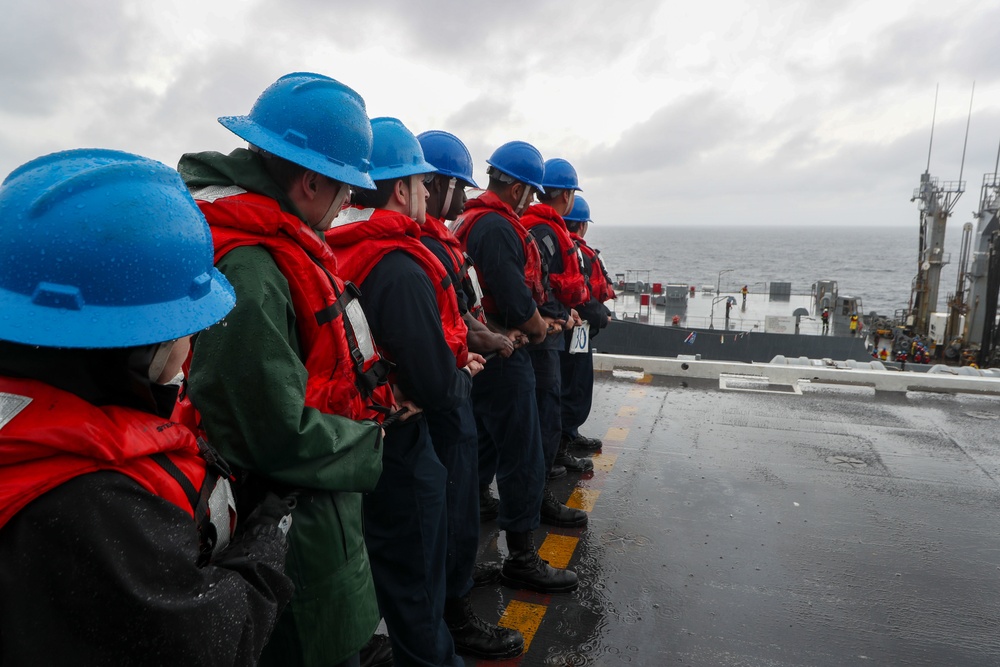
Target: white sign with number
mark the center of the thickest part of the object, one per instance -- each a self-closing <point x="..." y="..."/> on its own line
<point x="580" y="343"/>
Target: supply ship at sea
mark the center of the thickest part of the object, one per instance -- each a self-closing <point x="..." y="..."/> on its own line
<point x="772" y="319"/>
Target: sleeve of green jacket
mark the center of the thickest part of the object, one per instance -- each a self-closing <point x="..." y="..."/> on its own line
<point x="249" y="384"/>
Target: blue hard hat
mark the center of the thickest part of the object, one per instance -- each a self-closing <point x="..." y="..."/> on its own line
<point x="580" y="212"/>
<point x="104" y="249"/>
<point x="448" y="155"/>
<point x="396" y="152"/>
<point x="521" y="161"/>
<point x="559" y="175"/>
<point x="315" y="122"/>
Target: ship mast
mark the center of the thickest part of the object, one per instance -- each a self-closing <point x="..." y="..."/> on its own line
<point x="935" y="200"/>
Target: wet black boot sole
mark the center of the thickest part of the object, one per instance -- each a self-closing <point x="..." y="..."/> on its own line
<point x="513" y="652"/>
<point x="528" y="585"/>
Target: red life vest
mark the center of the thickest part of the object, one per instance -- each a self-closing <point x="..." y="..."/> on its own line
<point x="360" y="245"/>
<point x="489" y="202"/>
<point x="569" y="286"/>
<point x="346" y="375"/>
<point x="461" y="263"/>
<point x="57" y="436"/>
<point x="598" y="280"/>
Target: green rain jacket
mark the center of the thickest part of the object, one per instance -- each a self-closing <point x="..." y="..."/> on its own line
<point x="248" y="381"/>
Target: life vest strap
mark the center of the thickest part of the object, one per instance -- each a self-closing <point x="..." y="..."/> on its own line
<point x="162" y="460"/>
<point x="208" y="532"/>
<point x="336" y="309"/>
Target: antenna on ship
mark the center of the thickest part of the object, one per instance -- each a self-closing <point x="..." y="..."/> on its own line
<point x="961" y="169"/>
<point x="996" y="167"/>
<point x="933" y="119"/>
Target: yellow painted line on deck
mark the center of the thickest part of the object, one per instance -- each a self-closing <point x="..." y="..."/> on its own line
<point x="558" y="549"/>
<point x="583" y="499"/>
<point x="525" y="617"/>
<point x="604" y="462"/>
<point x="616" y="434"/>
<point x="645" y="379"/>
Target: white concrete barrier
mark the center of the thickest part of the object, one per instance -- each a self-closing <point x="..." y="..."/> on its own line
<point x="814" y="370"/>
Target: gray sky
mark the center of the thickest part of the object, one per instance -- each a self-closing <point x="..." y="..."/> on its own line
<point x="793" y="112"/>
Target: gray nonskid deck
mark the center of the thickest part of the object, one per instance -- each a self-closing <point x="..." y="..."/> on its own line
<point x="836" y="526"/>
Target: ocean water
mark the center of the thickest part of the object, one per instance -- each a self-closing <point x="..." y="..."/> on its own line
<point x="876" y="263"/>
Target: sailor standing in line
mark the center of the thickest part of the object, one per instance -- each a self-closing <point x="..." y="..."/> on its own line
<point x="454" y="432"/>
<point x="292" y="389"/>
<point x="509" y="268"/>
<point x="565" y="288"/>
<point x="578" y="368"/>
<point x="414" y="316"/>
<point x="114" y="528"/>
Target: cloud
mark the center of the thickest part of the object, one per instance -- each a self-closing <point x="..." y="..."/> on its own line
<point x="677" y="135"/>
<point x="182" y="117"/>
<point x="918" y="52"/>
<point x="815" y="110"/>
<point x="50" y="52"/>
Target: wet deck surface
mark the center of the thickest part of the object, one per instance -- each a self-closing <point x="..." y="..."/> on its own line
<point x="834" y="527"/>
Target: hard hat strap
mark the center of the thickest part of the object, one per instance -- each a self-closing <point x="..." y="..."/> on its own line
<point x="523" y="204"/>
<point x="415" y="182"/>
<point x="159" y="360"/>
<point x="343" y="194"/>
<point x="447" y="198"/>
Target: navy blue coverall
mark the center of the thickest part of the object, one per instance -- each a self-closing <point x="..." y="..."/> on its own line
<point x="455" y="439"/>
<point x="545" y="355"/>
<point x="406" y="521"/>
<point x="503" y="394"/>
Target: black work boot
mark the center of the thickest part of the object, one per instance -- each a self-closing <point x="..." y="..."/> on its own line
<point x="570" y="462"/>
<point x="474" y="636"/>
<point x="585" y="443"/>
<point x="377" y="652"/>
<point x="524" y="568"/>
<point x="489" y="507"/>
<point x="554" y="513"/>
<point x="484" y="574"/>
<point x="556" y="471"/>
